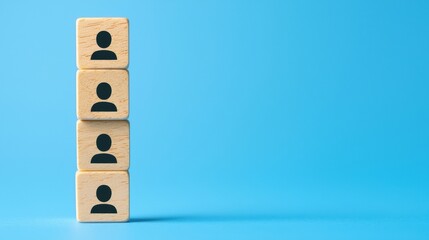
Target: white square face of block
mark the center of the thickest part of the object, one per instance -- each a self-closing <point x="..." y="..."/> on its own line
<point x="102" y="196"/>
<point x="102" y="43"/>
<point x="103" y="145"/>
<point x="102" y="94"/>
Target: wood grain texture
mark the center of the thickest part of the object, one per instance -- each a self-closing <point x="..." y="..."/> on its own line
<point x="90" y="156"/>
<point x="87" y="184"/>
<point x="86" y="40"/>
<point x="87" y="83"/>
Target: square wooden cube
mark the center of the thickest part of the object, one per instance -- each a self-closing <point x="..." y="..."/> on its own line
<point x="102" y="43"/>
<point x="103" y="145"/>
<point x="102" y="196"/>
<point x="102" y="94"/>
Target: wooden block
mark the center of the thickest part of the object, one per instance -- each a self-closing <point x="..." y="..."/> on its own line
<point x="102" y="94"/>
<point x="103" y="145"/>
<point x="102" y="43"/>
<point x="102" y="196"/>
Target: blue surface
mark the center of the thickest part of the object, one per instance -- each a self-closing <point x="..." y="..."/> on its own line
<point x="249" y="120"/>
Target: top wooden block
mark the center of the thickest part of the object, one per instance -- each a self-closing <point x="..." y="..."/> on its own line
<point x="102" y="43"/>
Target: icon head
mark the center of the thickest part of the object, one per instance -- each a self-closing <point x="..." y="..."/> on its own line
<point x="104" y="91"/>
<point x="104" y="142"/>
<point x="104" y="39"/>
<point x="104" y="193"/>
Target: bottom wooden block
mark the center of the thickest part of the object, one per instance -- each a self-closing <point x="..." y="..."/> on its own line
<point x="102" y="196"/>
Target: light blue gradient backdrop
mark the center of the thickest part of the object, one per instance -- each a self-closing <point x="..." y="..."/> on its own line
<point x="249" y="119"/>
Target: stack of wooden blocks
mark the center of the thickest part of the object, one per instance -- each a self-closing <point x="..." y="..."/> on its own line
<point x="103" y="131"/>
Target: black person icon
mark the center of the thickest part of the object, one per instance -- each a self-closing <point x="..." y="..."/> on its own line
<point x="103" y="40"/>
<point x="104" y="91"/>
<point x="104" y="142"/>
<point x="104" y="193"/>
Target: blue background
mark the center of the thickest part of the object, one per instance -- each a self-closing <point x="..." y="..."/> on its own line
<point x="249" y="119"/>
